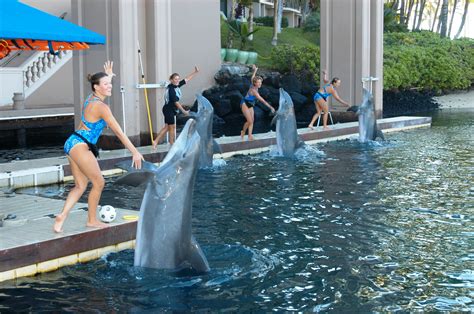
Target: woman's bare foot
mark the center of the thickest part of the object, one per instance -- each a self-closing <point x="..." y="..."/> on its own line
<point x="250" y="137"/>
<point x="242" y="133"/>
<point x="58" y="223"/>
<point x="96" y="224"/>
<point x="311" y="126"/>
<point x="325" y="128"/>
<point x="154" y="144"/>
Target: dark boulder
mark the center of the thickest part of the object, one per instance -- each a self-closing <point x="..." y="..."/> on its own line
<point x="290" y="83"/>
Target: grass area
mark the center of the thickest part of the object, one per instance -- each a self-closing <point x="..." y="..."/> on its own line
<point x="262" y="40"/>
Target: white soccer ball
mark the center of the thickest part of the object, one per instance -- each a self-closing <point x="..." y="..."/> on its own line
<point x="107" y="213"/>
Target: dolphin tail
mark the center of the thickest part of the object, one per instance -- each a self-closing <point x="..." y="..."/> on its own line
<point x="196" y="258"/>
<point x="135" y="178"/>
<point x="216" y="148"/>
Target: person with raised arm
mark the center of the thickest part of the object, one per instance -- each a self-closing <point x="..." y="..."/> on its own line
<point x="82" y="153"/>
<point x="249" y="101"/>
<point x="320" y="99"/>
<point x="172" y="105"/>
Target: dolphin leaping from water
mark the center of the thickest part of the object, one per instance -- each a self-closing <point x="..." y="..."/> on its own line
<point x="164" y="239"/>
<point x="287" y="137"/>
<point x="367" y="122"/>
<point x="204" y="118"/>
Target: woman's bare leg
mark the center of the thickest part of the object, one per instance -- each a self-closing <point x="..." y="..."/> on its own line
<point x="325" y="108"/>
<point x="160" y="136"/>
<point x="249" y="116"/>
<point x="172" y="132"/>
<point x="317" y="114"/>
<point x="89" y="166"/>
<point x="80" y="185"/>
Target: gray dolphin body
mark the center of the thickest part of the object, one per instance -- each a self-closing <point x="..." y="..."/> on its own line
<point x="204" y="117"/>
<point x="287" y="137"/>
<point x="367" y="122"/>
<point x="164" y="239"/>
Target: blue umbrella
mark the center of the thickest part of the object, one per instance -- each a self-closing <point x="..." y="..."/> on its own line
<point x="25" y="28"/>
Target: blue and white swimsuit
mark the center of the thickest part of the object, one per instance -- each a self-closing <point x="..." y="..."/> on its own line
<point x="322" y="95"/>
<point x="94" y="132"/>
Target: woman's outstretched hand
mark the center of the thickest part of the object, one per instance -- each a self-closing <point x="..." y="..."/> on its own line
<point x="137" y="160"/>
<point x="108" y="65"/>
<point x="196" y="69"/>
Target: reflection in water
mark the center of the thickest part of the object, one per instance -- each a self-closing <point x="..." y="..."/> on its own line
<point x="374" y="227"/>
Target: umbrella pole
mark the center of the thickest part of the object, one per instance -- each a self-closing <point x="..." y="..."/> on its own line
<point x="146" y="94"/>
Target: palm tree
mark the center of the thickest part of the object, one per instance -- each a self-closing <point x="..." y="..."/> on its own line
<point x="435" y="15"/>
<point x="452" y="17"/>
<point x="249" y="4"/>
<point x="420" y="14"/>
<point x="275" y="23"/>
<point x="443" y="18"/>
<point x="463" y="20"/>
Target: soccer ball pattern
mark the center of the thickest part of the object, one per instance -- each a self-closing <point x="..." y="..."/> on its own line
<point x="107" y="213"/>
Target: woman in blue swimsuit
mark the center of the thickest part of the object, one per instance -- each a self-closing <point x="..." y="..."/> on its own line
<point x="248" y="102"/>
<point x="84" y="166"/>
<point x="320" y="99"/>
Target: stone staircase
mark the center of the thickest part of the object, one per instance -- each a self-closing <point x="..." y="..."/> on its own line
<point x="21" y="81"/>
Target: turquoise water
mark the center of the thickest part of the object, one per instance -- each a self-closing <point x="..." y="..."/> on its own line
<point x="363" y="228"/>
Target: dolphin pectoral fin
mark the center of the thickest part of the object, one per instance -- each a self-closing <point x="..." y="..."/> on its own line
<point x="354" y="109"/>
<point x="275" y="118"/>
<point x="127" y="165"/>
<point x="216" y="148"/>
<point x="135" y="178"/>
<point x="196" y="258"/>
<point x="380" y="135"/>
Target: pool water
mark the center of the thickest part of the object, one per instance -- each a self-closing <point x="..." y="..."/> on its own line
<point x="377" y="227"/>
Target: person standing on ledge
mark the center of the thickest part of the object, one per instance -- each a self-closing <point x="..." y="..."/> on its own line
<point x="248" y="102"/>
<point x="320" y="99"/>
<point x="172" y="105"/>
<point x="81" y="150"/>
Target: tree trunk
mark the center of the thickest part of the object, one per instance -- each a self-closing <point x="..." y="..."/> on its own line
<point x="420" y="15"/>
<point x="443" y="18"/>
<point x="250" y="21"/>
<point x="415" y="15"/>
<point x="410" y="7"/>
<point x="436" y="15"/>
<point x="280" y="15"/>
<point x="466" y="6"/>
<point x="402" y="12"/>
<point x="275" y="23"/>
<point x="452" y="17"/>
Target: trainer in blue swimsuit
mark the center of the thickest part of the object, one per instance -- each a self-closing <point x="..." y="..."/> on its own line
<point x="322" y="95"/>
<point x="92" y="135"/>
<point x="249" y="100"/>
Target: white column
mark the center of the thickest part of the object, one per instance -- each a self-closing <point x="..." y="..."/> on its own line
<point x="352" y="46"/>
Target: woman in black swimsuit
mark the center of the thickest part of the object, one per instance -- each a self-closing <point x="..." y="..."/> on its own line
<point x="172" y="105"/>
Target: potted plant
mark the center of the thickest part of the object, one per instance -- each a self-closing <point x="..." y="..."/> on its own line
<point x="240" y="29"/>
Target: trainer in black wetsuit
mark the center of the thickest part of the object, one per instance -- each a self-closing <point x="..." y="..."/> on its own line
<point x="172" y="105"/>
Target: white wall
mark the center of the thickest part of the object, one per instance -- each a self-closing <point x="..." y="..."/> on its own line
<point x="59" y="89"/>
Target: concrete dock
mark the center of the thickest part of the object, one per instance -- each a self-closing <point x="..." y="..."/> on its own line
<point x="28" y="244"/>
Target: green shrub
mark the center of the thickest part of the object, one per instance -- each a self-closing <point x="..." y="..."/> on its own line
<point x="431" y="68"/>
<point x="268" y="21"/>
<point x="312" y="23"/>
<point x="301" y="61"/>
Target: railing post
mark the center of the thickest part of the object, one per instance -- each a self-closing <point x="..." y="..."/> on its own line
<point x="18" y="101"/>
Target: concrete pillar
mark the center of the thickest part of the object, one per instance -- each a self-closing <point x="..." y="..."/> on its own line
<point x="118" y="21"/>
<point x="352" y="46"/>
<point x="174" y="36"/>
